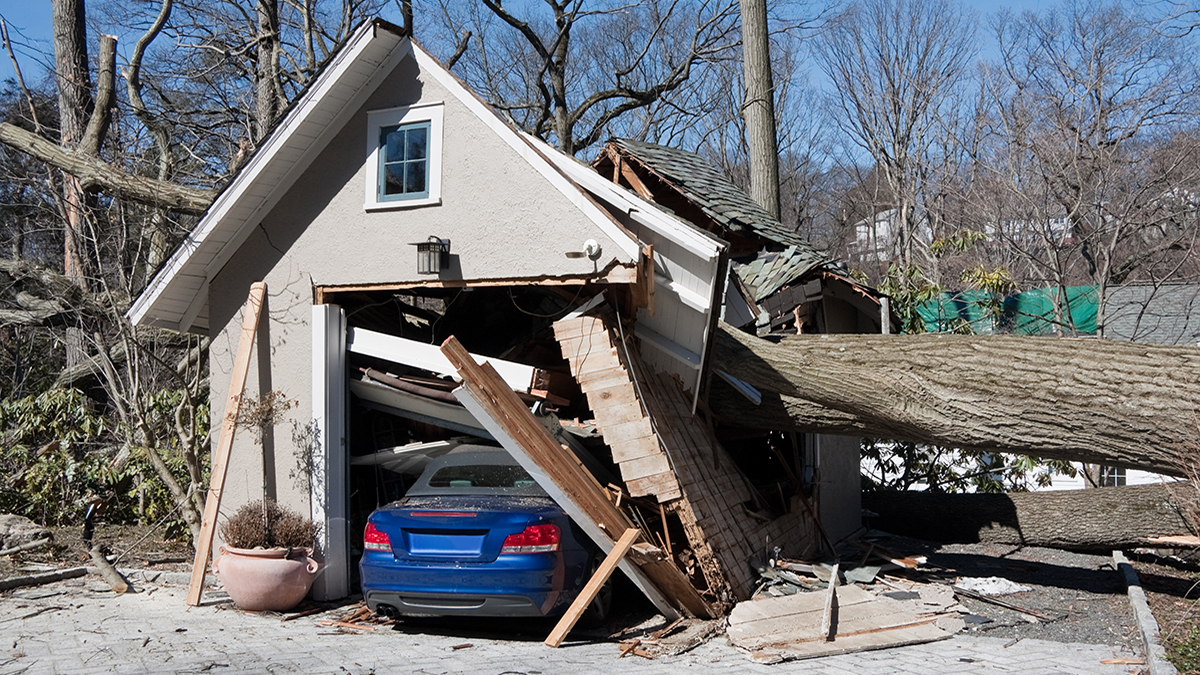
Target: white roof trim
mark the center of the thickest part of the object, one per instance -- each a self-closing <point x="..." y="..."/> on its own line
<point x="641" y="211"/>
<point x="529" y="152"/>
<point x="216" y="220"/>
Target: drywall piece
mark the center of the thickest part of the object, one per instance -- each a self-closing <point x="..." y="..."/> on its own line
<point x="428" y="357"/>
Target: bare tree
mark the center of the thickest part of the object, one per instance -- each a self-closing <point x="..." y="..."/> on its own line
<point x="569" y="70"/>
<point x="894" y="65"/>
<point x="1092" y="159"/>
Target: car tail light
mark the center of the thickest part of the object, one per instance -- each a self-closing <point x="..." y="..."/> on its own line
<point x="535" y="539"/>
<point x="374" y="540"/>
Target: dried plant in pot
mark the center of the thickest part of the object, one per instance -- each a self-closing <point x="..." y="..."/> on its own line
<point x="266" y="561"/>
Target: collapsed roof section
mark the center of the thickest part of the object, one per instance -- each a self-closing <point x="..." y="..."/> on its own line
<point x="780" y="276"/>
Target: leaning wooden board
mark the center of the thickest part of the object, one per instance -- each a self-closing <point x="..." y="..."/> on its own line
<point x="493" y="403"/>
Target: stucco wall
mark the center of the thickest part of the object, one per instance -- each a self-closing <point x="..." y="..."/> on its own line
<point x="502" y="217"/>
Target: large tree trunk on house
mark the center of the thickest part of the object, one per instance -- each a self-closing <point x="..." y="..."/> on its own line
<point x="759" y="108"/>
<point x="1094" y="519"/>
<point x="1113" y="403"/>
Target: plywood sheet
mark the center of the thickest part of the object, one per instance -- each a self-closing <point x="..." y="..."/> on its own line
<point x="790" y="626"/>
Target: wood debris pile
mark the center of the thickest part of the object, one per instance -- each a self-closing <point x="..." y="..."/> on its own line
<point x="808" y="609"/>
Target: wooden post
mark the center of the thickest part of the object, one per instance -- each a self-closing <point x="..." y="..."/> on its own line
<point x="237" y="386"/>
<point x="585" y="597"/>
<point x="829" y="616"/>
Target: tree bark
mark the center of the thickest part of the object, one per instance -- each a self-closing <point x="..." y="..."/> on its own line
<point x="95" y="173"/>
<point x="1113" y="403"/>
<point x="74" y="108"/>
<point x="759" y="107"/>
<point x="267" y="98"/>
<point x="1099" y="519"/>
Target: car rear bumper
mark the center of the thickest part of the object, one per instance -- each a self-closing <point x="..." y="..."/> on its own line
<point x="453" y="604"/>
<point x="512" y="585"/>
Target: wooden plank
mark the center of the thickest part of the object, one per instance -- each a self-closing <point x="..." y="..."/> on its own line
<point x="503" y="414"/>
<point x="619" y="274"/>
<point x="635" y="182"/>
<point x="593" y="586"/>
<point x="628" y="412"/>
<point x="625" y="451"/>
<point x="653" y="485"/>
<point x="829" y="614"/>
<point x="644" y="467"/>
<point x="237" y="385"/>
<point x="613" y="396"/>
<point x="629" y="432"/>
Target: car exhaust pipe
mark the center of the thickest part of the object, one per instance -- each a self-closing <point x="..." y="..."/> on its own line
<point x="387" y="611"/>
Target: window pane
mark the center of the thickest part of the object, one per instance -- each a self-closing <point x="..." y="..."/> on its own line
<point x="417" y="142"/>
<point x="416" y="177"/>
<point x="393" y="181"/>
<point x="395" y="145"/>
<point x="486" y="476"/>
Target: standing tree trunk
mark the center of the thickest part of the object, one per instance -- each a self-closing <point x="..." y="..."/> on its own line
<point x="1119" y="404"/>
<point x="759" y="107"/>
<point x="75" y="107"/>
<point x="267" y="94"/>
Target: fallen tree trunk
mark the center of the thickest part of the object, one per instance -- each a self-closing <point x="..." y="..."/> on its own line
<point x="1105" y="402"/>
<point x="1092" y="519"/>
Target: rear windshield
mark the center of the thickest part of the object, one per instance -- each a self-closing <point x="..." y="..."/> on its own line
<point x="480" y="476"/>
<point x="476" y="472"/>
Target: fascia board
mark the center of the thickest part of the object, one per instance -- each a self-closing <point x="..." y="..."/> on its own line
<point x="216" y="219"/>
<point x="640" y="210"/>
<point x="627" y="243"/>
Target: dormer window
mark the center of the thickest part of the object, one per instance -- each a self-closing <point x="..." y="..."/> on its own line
<point x="404" y="157"/>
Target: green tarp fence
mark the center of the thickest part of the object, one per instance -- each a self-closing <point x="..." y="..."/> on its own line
<point x="1037" y="312"/>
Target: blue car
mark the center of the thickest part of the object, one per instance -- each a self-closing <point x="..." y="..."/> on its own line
<point x="476" y="536"/>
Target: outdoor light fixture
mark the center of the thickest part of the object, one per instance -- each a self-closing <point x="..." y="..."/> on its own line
<point x="432" y="255"/>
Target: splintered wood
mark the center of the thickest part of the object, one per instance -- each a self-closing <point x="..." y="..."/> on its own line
<point x="790" y="626"/>
<point x="600" y="369"/>
<point x="495" y="405"/>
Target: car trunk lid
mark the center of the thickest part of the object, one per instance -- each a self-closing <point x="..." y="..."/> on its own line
<point x="466" y="530"/>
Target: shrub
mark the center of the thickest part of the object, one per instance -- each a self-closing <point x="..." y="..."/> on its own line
<point x="266" y="524"/>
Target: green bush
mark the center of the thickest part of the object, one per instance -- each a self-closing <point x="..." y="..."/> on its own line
<point x="57" y="454"/>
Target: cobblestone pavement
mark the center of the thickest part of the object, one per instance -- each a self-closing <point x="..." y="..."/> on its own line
<point x="79" y="626"/>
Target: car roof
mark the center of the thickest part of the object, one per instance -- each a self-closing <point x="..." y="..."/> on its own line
<point x="471" y="455"/>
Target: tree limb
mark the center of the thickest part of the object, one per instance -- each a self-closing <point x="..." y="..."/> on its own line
<point x="94" y="173"/>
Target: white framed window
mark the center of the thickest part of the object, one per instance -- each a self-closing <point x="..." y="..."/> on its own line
<point x="404" y="157"/>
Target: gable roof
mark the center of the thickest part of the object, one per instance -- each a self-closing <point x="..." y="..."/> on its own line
<point x="710" y="191"/>
<point x="176" y="297"/>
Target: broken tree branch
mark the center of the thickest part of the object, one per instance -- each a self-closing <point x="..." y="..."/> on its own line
<point x="94" y="173"/>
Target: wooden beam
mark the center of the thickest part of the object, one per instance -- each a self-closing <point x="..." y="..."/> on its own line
<point x="635" y="182"/>
<point x="237" y="385"/>
<point x="485" y="394"/>
<point x="619" y="274"/>
<point x="585" y="597"/>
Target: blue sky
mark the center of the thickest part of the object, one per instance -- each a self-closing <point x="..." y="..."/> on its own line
<point x="30" y="29"/>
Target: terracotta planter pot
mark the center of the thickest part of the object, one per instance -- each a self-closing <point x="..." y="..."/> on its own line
<point x="266" y="579"/>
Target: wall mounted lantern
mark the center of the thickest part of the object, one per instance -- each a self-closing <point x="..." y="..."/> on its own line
<point x="433" y="255"/>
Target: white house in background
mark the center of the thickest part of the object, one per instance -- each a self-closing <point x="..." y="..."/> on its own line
<point x="877" y="239"/>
